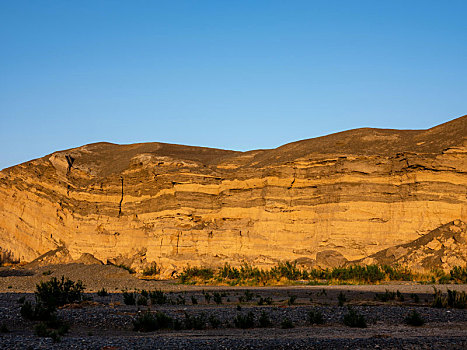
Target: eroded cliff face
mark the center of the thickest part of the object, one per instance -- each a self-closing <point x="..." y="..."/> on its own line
<point x="355" y="192"/>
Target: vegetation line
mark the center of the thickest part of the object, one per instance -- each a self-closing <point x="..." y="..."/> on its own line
<point x="289" y="273"/>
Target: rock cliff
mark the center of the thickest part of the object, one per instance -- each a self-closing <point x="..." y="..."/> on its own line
<point x="347" y="195"/>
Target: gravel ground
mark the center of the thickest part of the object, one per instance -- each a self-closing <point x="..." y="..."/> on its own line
<point x="107" y="323"/>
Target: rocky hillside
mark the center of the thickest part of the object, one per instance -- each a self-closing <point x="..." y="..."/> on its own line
<point x="347" y="195"/>
<point x="441" y="248"/>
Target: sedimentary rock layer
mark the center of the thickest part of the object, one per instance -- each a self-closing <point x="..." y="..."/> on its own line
<point x="356" y="192"/>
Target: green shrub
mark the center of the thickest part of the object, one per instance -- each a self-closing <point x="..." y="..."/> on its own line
<point x="102" y="293"/>
<point x="158" y="297"/>
<point x="249" y="295"/>
<point x="354" y="319"/>
<point x="147" y="322"/>
<point x="37" y="312"/>
<point x="41" y="330"/>
<point x="207" y="297"/>
<point x="315" y="317"/>
<point x="197" y="322"/>
<point x="217" y="298"/>
<point x="190" y="273"/>
<point x="341" y="299"/>
<point x="263" y="301"/>
<point x="322" y="292"/>
<point x="264" y="320"/>
<point x="459" y="274"/>
<point x="129" y="298"/>
<point x="439" y="300"/>
<point x="292" y="300"/>
<point x="142" y="300"/>
<point x="414" y="319"/>
<point x="287" y="323"/>
<point x="386" y="296"/>
<point x="58" y="292"/>
<point x="457" y="299"/>
<point x="445" y="279"/>
<point x="244" y="321"/>
<point x="53" y="328"/>
<point x="180" y="300"/>
<point x="152" y="270"/>
<point x="214" y="321"/>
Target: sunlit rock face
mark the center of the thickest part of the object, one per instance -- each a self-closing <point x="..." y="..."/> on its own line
<point x="352" y="193"/>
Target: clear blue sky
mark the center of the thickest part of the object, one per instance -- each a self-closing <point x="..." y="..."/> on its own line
<point x="229" y="74"/>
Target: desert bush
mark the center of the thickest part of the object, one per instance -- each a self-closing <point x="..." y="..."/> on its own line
<point x="292" y="300"/>
<point x="41" y="330"/>
<point x="152" y="270"/>
<point x="264" y="320"/>
<point x="207" y="297"/>
<point x="414" y="319"/>
<point x="315" y="317"/>
<point x="287" y="323"/>
<point x="148" y="322"/>
<point x="36" y="312"/>
<point x="287" y="270"/>
<point x="194" y="301"/>
<point x="244" y="321"/>
<point x="452" y="299"/>
<point x="58" y="292"/>
<point x="197" y="322"/>
<point x="53" y="328"/>
<point x="102" y="292"/>
<point x="180" y="300"/>
<point x="229" y="272"/>
<point x="459" y="274"/>
<point x="386" y="296"/>
<point x="415" y="297"/>
<point x="265" y="301"/>
<point x="142" y="300"/>
<point x="444" y="279"/>
<point x="341" y="299"/>
<point x="456" y="299"/>
<point x="248" y="295"/>
<point x="129" y="298"/>
<point x="397" y="273"/>
<point x="158" y="297"/>
<point x="214" y="321"/>
<point x="354" y="319"/>
<point x="190" y="273"/>
<point x="217" y="298"/>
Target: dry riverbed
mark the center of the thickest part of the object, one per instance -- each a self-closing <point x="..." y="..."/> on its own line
<point x="105" y="322"/>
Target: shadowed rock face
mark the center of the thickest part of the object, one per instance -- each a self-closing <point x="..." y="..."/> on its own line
<point x="354" y="193"/>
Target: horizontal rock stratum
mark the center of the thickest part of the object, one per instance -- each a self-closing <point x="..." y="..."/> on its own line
<point x="344" y="196"/>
